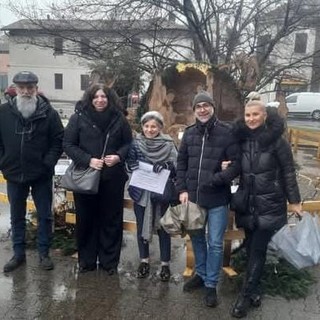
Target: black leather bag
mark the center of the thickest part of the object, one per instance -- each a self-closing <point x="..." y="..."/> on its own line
<point x="169" y="196"/>
<point x="240" y="200"/>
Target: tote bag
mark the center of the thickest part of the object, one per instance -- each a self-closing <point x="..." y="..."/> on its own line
<point x="81" y="180"/>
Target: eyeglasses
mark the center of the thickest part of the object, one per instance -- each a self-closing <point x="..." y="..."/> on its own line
<point x="205" y="106"/>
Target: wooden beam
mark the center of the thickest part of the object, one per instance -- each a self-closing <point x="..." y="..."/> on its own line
<point x="70" y="217"/>
<point x="189" y="270"/>
<point x="230" y="272"/>
<point x="310" y="206"/>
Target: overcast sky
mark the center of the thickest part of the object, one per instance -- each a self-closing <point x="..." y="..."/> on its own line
<point x="6" y="17"/>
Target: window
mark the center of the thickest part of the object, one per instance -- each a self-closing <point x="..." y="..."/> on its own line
<point x="262" y="43"/>
<point x="85" y="46"/>
<point x="292" y="99"/>
<point x="58" y="80"/>
<point x="84" y="81"/>
<point x="300" y="45"/>
<point x="58" y="46"/>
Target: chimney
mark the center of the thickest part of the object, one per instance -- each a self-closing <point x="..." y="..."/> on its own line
<point x="172" y="17"/>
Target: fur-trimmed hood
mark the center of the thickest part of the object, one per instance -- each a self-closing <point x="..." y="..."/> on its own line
<point x="267" y="174"/>
<point x="270" y="132"/>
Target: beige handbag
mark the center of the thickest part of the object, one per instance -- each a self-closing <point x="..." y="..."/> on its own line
<point x="184" y="218"/>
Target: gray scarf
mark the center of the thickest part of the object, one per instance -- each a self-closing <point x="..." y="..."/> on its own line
<point x="158" y="149"/>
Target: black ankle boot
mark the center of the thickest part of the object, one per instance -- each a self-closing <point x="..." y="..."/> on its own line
<point x="165" y="273"/>
<point x="241" y="307"/>
<point x="143" y="270"/>
<point x="255" y="300"/>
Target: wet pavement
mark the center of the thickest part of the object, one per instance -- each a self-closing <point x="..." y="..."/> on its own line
<point x="63" y="293"/>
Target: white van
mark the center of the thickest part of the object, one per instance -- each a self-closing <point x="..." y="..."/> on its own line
<point x="304" y="104"/>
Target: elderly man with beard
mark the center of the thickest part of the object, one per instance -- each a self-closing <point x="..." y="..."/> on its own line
<point x="31" y="136"/>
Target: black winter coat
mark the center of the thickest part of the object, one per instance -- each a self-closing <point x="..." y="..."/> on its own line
<point x="268" y="174"/>
<point x="84" y="140"/>
<point x="202" y="150"/>
<point x="29" y="148"/>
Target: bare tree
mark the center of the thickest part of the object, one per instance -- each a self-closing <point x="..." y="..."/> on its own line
<point x="243" y="37"/>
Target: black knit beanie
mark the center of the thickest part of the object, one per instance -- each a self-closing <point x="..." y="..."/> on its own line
<point x="202" y="96"/>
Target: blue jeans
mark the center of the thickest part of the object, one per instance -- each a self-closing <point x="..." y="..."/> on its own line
<point x="41" y="191"/>
<point x="209" y="253"/>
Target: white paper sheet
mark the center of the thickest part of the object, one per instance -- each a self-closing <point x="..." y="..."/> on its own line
<point x="146" y="179"/>
<point x="234" y="188"/>
<point x="61" y="167"/>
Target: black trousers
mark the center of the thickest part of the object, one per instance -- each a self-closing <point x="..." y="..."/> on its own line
<point x="99" y="227"/>
<point x="256" y="247"/>
<point x="164" y="237"/>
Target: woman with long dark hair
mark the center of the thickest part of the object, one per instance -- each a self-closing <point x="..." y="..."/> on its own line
<point x="99" y="224"/>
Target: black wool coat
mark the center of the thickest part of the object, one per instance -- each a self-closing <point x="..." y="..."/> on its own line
<point x="267" y="173"/>
<point x="202" y="150"/>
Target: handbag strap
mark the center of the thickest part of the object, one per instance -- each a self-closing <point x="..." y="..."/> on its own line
<point x="105" y="144"/>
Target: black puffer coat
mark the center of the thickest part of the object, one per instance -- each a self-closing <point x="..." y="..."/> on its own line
<point x="202" y="150"/>
<point x="29" y="148"/>
<point x="268" y="173"/>
<point x="83" y="140"/>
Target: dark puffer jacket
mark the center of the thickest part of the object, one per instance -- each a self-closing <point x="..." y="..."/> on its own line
<point x="29" y="148"/>
<point x="268" y="173"/>
<point x="84" y="140"/>
<point x="202" y="150"/>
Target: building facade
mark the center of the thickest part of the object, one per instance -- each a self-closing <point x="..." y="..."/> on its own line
<point x="61" y="53"/>
<point x="4" y="63"/>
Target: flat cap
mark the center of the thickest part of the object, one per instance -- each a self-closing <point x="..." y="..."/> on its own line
<point x="25" y="77"/>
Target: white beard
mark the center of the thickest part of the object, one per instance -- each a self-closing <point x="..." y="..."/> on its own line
<point x="26" y="105"/>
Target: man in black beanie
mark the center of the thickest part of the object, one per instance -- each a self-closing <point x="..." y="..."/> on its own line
<point x="201" y="180"/>
<point x="202" y="96"/>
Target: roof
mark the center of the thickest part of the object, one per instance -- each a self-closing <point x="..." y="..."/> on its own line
<point x="92" y="25"/>
<point x="303" y="12"/>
